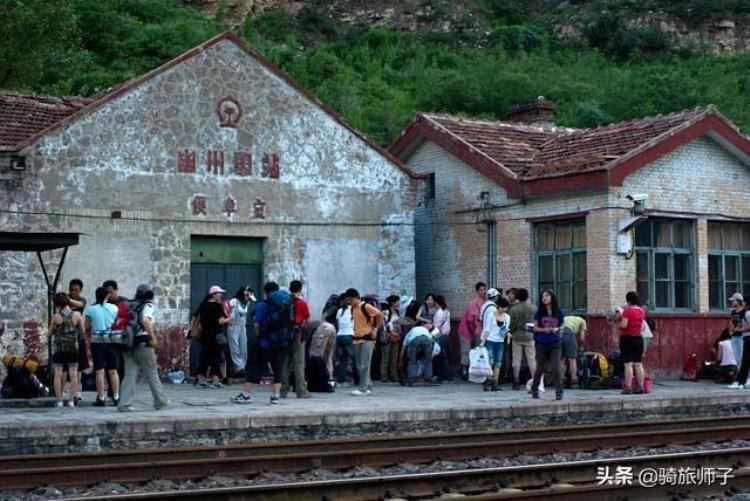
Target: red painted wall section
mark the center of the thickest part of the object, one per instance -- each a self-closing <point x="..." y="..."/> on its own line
<point x="675" y="338"/>
<point x="172" y="350"/>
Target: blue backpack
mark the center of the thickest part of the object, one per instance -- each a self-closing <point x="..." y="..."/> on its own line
<point x="279" y="327"/>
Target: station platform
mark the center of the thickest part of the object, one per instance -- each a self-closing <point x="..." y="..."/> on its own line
<point x="207" y="417"/>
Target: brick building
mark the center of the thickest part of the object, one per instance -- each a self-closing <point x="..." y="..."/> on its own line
<point x="659" y="205"/>
<point x="214" y="168"/>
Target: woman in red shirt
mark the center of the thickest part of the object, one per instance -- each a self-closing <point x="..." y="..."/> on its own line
<point x="631" y="342"/>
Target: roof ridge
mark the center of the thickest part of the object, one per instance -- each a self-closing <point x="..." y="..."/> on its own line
<point x="497" y="123"/>
<point x="698" y="109"/>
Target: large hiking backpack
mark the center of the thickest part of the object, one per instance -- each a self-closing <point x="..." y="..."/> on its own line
<point x="65" y="338"/>
<point x="279" y="327"/>
<point x="596" y="372"/>
<point x="134" y="327"/>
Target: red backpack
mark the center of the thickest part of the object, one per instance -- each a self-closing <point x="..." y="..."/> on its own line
<point x="123" y="316"/>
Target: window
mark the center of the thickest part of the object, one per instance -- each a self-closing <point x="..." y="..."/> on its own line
<point x="664" y="263"/>
<point x="728" y="262"/>
<point x="431" y="186"/>
<point x="561" y="261"/>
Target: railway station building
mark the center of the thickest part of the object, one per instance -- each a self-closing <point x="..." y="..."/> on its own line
<point x="215" y="168"/>
<point x="659" y="205"/>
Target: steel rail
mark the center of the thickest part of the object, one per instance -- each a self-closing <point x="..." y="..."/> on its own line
<point x="351" y="443"/>
<point x="173" y="466"/>
<point x="480" y="484"/>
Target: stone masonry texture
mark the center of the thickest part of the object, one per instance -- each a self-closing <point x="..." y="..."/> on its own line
<point x="133" y="155"/>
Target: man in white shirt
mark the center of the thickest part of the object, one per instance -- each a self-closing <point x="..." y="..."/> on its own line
<point x="417" y="350"/>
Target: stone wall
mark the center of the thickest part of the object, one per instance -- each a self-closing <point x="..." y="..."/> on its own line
<point x="151" y="167"/>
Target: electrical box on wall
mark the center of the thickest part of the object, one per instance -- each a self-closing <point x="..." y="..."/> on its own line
<point x="624" y="242"/>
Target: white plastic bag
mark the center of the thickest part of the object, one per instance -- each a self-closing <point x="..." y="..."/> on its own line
<point x="435" y="349"/>
<point x="479" y="365"/>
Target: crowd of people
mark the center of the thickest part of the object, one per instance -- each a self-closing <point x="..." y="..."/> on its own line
<point x="355" y="339"/>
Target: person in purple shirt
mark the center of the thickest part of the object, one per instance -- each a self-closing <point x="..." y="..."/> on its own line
<point x="547" y="324"/>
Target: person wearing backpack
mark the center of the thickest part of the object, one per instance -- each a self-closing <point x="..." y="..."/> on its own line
<point x="367" y="320"/>
<point x="273" y="319"/>
<point x="65" y="328"/>
<point x="547" y="325"/>
<point x="100" y="317"/>
<point x="142" y="355"/>
<point x="295" y="354"/>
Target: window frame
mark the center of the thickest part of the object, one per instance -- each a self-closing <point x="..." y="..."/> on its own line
<point x="570" y="254"/>
<point x="742" y="256"/>
<point x="651" y="252"/>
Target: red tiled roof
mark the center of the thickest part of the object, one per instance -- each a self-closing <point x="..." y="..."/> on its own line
<point x="512" y="145"/>
<point x="22" y="116"/>
<point x="591" y="149"/>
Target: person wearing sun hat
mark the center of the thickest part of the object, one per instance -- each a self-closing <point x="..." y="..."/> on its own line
<point x="213" y="318"/>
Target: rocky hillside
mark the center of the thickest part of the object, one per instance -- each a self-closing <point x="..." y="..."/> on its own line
<point x="715" y="26"/>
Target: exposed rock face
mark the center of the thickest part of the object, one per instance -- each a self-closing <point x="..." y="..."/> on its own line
<point x="718" y="35"/>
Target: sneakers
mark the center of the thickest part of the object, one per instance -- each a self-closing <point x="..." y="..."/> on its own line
<point x="71" y="403"/>
<point x="100" y="402"/>
<point x="59" y="403"/>
<point x="626" y="391"/>
<point x="638" y="391"/>
<point x="359" y="393"/>
<point x="736" y="386"/>
<point x="78" y="397"/>
<point x="275" y="399"/>
<point x="242" y="398"/>
<point x="204" y="385"/>
<point x="306" y="394"/>
<point x="218" y="386"/>
<point x="129" y="408"/>
<point x="558" y="396"/>
<point x="535" y="394"/>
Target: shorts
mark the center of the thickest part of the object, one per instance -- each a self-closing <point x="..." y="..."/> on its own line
<point x="631" y="349"/>
<point x="496" y="350"/>
<point x="519" y="348"/>
<point x="105" y="357"/>
<point x="569" y="346"/>
<point x="62" y="360"/>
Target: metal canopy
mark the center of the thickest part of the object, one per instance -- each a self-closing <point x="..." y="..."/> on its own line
<point x="36" y="242"/>
<point x="40" y="242"/>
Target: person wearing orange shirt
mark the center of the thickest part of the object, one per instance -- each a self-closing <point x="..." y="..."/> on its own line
<point x="367" y="320"/>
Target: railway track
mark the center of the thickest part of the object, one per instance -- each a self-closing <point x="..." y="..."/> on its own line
<point x="562" y="480"/>
<point x="31" y="471"/>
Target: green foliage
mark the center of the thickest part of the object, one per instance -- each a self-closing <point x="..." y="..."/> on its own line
<point x="377" y="78"/>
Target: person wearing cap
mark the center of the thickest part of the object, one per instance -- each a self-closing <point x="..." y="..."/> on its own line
<point x="492" y="337"/>
<point x="143" y="354"/>
<point x="213" y="318"/>
<point x="737" y="302"/>
<point x="744" y="330"/>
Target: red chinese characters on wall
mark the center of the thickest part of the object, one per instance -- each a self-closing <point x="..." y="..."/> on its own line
<point x="271" y="166"/>
<point x="243" y="163"/>
<point x="186" y="161"/>
<point x="259" y="209"/>
<point x="198" y="205"/>
<point x="229" y="207"/>
<point x="270" y="163"/>
<point x="215" y="161"/>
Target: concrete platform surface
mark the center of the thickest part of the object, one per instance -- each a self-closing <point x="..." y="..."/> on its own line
<point x="201" y="416"/>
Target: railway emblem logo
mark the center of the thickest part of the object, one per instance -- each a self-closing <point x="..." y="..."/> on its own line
<point x="229" y="111"/>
